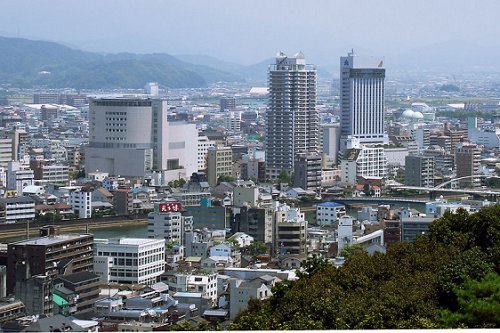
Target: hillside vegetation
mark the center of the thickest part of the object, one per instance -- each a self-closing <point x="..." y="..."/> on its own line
<point x="26" y="63"/>
<point x="448" y="278"/>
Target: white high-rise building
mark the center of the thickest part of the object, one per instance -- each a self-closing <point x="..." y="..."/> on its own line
<point x="290" y="230"/>
<point x="362" y="99"/>
<point x="132" y="135"/>
<point x="6" y="154"/>
<point x="203" y="144"/>
<point x="129" y="260"/>
<point x="292" y="119"/>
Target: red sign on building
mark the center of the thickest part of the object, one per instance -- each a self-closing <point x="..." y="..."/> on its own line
<point x="170" y="207"/>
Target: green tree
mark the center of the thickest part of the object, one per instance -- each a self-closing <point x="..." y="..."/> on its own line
<point x="470" y="264"/>
<point x="255" y="248"/>
<point x="400" y="289"/>
<point x="177" y="183"/>
<point x="352" y="249"/>
<point x="312" y="266"/>
<point x="284" y="178"/>
<point x="224" y="178"/>
<point x="479" y="304"/>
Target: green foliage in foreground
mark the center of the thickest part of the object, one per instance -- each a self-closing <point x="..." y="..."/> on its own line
<point x="448" y="278"/>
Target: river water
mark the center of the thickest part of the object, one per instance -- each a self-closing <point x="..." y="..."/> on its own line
<point x="141" y="230"/>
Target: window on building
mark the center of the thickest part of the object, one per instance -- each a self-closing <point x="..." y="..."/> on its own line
<point x="173" y="164"/>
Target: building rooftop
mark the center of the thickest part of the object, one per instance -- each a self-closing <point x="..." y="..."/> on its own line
<point x="133" y="241"/>
<point x="330" y="204"/>
<point x="50" y="240"/>
<point x="79" y="277"/>
<point x="187" y="294"/>
<point x="17" y="200"/>
<point x="218" y="312"/>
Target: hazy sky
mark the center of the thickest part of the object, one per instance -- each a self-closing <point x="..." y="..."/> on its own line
<point x="251" y="31"/>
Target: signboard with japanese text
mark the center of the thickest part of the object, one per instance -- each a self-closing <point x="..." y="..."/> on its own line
<point x="169" y="207"/>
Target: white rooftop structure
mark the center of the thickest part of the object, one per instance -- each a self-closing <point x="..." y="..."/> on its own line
<point x="259" y="90"/>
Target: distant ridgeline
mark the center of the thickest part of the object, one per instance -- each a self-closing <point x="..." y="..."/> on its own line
<point x="26" y="63"/>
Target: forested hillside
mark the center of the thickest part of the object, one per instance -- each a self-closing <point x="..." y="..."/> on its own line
<point x="447" y="279"/>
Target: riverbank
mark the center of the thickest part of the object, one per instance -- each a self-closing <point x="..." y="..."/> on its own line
<point x="82" y="226"/>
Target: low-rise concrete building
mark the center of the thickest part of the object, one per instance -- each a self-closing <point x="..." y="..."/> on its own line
<point x="17" y="209"/>
<point x="328" y="213"/>
<point x="129" y="260"/>
<point x="241" y="291"/>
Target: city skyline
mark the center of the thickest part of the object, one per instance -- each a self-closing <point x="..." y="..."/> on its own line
<point x="160" y="170"/>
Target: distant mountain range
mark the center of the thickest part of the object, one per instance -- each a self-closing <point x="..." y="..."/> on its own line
<point x="27" y="63"/>
<point x="256" y="73"/>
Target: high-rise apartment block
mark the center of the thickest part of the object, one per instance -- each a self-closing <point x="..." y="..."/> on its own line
<point x="330" y="137"/>
<point x="232" y="121"/>
<point x="292" y="120"/>
<point x="456" y="135"/>
<point x="203" y="144"/>
<point x="362" y="161"/>
<point x="6" y="153"/>
<point x="362" y="98"/>
<point x="257" y="222"/>
<point x="81" y="202"/>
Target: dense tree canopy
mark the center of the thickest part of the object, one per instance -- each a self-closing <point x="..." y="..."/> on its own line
<point x="447" y="278"/>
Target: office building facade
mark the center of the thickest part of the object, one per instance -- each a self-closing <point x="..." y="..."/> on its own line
<point x="169" y="225"/>
<point x="130" y="136"/>
<point x="129" y="260"/>
<point x="362" y="99"/>
<point x="219" y="163"/>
